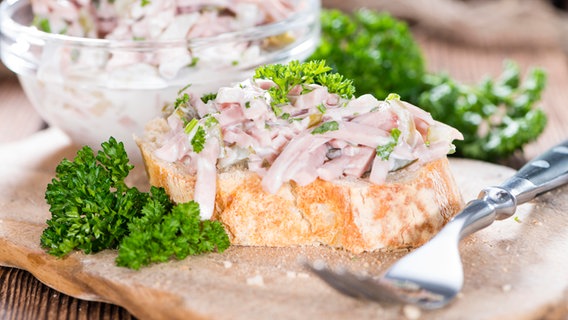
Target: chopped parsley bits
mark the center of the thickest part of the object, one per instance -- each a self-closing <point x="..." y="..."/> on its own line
<point x="210" y="121"/>
<point x="193" y="62"/>
<point x="208" y="97"/>
<point x="181" y="100"/>
<point x="42" y="24"/>
<point x="325" y="127"/>
<point x="277" y="110"/>
<point x="197" y="134"/>
<point x="198" y="140"/>
<point x="384" y="151"/>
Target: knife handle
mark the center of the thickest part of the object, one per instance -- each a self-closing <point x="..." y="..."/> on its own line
<point x="541" y="174"/>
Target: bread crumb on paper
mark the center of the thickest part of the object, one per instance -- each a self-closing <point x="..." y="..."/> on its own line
<point x="257" y="280"/>
<point x="294" y="275"/>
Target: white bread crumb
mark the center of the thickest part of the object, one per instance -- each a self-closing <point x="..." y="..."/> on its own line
<point x="256" y="281"/>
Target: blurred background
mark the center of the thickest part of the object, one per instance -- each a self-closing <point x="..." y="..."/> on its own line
<point x="500" y="23"/>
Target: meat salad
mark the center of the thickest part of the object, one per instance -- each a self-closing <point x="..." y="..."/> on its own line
<point x="315" y="134"/>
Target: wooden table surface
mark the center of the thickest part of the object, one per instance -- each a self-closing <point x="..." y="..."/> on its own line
<point x="23" y="297"/>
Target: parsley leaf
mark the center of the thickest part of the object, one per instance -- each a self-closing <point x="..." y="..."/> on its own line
<point x="374" y="49"/>
<point x="326" y="126"/>
<point x="90" y="203"/>
<point x="288" y="76"/>
<point x="157" y="236"/>
<point x="209" y="96"/>
<point x="336" y="83"/>
<point x="181" y="100"/>
<point x="385" y="151"/>
<point x="42" y="24"/>
<point x="93" y="209"/>
<point x="210" y="120"/>
<point x="198" y="135"/>
<point x="198" y="140"/>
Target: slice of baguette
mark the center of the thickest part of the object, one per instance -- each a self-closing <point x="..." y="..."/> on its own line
<point x="352" y="214"/>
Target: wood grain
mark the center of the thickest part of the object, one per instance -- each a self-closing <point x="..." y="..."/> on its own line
<point x="22" y="296"/>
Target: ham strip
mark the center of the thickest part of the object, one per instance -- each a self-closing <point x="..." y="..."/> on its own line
<point x="359" y="134"/>
<point x="206" y="182"/>
<point x="290" y="161"/>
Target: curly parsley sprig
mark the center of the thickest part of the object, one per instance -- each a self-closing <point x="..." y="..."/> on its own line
<point x="326" y="126"/>
<point x="373" y="49"/>
<point x="158" y="235"/>
<point x="497" y="116"/>
<point x="90" y="203"/>
<point x="92" y="209"/>
<point x="287" y="76"/>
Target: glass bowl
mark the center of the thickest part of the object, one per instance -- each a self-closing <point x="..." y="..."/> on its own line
<point x="95" y="88"/>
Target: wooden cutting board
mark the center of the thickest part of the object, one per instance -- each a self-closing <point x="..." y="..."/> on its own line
<point x="515" y="269"/>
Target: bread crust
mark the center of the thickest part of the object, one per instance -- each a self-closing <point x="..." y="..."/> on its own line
<point x="353" y="214"/>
